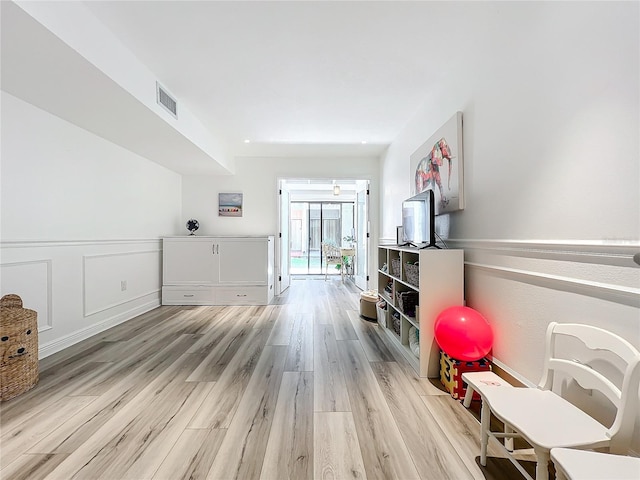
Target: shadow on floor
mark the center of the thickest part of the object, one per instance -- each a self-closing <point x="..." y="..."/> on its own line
<point x="503" y="469"/>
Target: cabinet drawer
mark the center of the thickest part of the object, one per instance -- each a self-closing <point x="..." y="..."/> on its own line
<point x="241" y="295"/>
<point x="188" y="296"/>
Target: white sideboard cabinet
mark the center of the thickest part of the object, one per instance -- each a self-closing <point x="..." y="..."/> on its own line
<point x="217" y="270"/>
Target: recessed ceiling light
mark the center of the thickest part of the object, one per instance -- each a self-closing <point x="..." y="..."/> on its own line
<point x="363" y="142"/>
<point x="246" y="140"/>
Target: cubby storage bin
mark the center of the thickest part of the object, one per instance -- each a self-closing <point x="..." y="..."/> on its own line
<point x="417" y="285"/>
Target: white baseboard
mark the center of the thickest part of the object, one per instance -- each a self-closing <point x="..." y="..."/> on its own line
<point x="79" y="335"/>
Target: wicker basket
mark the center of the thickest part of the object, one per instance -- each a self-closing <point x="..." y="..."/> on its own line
<point x="18" y="347"/>
<point x="412" y="272"/>
<point x="395" y="267"/>
<point x="407" y="302"/>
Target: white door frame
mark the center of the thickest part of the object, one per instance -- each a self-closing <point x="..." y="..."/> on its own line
<point x="361" y="277"/>
<point x="283" y="277"/>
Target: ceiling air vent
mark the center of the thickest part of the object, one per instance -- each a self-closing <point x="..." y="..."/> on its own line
<point x="166" y="100"/>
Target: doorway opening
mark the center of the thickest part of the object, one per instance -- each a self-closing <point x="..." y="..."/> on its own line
<point x="317" y="211"/>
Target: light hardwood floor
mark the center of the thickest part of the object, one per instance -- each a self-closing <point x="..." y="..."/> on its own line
<point x="301" y="389"/>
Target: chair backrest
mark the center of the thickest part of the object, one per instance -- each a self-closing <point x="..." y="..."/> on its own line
<point x="598" y="340"/>
<point x="331" y="254"/>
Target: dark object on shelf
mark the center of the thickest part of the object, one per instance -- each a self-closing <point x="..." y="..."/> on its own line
<point x="18" y="347"/>
<point x="412" y="272"/>
<point x="389" y="288"/>
<point x="395" y="267"/>
<point x="395" y="323"/>
<point x="192" y="226"/>
<point x="407" y="302"/>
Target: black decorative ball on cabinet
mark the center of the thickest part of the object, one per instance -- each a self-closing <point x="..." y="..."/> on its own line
<point x="192" y="226"/>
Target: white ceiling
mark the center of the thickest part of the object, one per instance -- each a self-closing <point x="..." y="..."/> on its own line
<point x="309" y="78"/>
<point x="300" y="73"/>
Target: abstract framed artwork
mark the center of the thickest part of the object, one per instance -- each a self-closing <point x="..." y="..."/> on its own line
<point x="438" y="165"/>
<point x="229" y="204"/>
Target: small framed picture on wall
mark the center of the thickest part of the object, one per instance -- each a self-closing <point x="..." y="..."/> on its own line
<point x="229" y="204"/>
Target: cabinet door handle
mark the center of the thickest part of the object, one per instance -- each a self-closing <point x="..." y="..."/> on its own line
<point x="218" y="248"/>
<point x="191" y="295"/>
<point x="241" y="294"/>
<point x="213" y="248"/>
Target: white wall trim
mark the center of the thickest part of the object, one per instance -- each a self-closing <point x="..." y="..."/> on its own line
<point x="49" y="264"/>
<point x="79" y="335"/>
<point x="118" y="254"/>
<point x="583" y="251"/>
<point x="614" y="293"/>
<point x="74" y="243"/>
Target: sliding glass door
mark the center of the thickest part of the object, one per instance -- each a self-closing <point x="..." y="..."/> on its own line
<point x="313" y="223"/>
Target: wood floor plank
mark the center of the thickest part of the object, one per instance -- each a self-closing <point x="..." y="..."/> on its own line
<point x="432" y="453"/>
<point x="281" y="331"/>
<point x="462" y="428"/>
<point x="74" y="432"/>
<point x="386" y="455"/>
<point x="17" y="440"/>
<point x="141" y="324"/>
<point x="168" y="431"/>
<point x="336" y="449"/>
<point x="289" y="451"/>
<point x="242" y="451"/>
<point x="341" y="324"/>
<point x="47" y="392"/>
<point x="322" y="308"/>
<point x="219" y="356"/>
<point x="119" y="371"/>
<point x="255" y="419"/>
<point x="192" y="455"/>
<point x="32" y="466"/>
<point x="371" y="341"/>
<point x="123" y="439"/>
<point x="219" y="326"/>
<point x="192" y="320"/>
<point x="218" y="410"/>
<point x="300" y="352"/>
<point x="330" y="388"/>
<point x="266" y="317"/>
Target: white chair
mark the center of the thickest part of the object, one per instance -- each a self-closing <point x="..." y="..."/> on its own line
<point x="546" y="420"/>
<point x="574" y="464"/>
<point x="332" y="256"/>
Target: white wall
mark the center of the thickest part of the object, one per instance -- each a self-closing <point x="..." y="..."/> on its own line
<point x="552" y="178"/>
<point x="257" y="179"/>
<point x="79" y="215"/>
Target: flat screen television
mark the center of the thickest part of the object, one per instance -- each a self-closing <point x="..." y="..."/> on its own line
<point x="418" y="220"/>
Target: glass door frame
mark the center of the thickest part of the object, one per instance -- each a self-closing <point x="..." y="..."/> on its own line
<point x="321" y="204"/>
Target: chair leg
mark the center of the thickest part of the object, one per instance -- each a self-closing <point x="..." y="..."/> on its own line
<point x="485" y="416"/>
<point x="508" y="441"/>
<point x="542" y="464"/>
<point x="468" y="396"/>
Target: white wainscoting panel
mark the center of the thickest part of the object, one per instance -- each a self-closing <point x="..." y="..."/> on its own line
<point x="113" y="279"/>
<point x="76" y="285"/>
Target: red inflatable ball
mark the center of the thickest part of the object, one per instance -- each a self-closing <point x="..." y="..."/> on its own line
<point x="463" y="334"/>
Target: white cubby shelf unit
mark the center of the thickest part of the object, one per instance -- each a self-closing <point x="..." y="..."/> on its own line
<point x="439" y="285"/>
